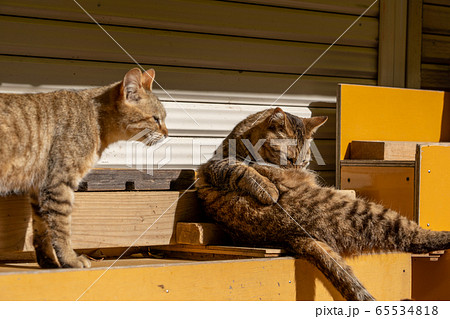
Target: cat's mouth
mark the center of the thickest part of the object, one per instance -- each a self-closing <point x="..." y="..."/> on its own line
<point x="153" y="138"/>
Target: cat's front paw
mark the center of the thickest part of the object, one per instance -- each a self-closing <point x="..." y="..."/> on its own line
<point x="76" y="262"/>
<point x="267" y="193"/>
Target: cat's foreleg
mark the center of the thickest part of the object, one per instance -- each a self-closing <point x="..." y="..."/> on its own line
<point x="51" y="228"/>
<point x="238" y="176"/>
<point x="332" y="265"/>
<point x="45" y="254"/>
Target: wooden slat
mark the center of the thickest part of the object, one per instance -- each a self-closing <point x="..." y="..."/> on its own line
<point x="25" y="74"/>
<point x="355" y="7"/>
<point x="431" y="256"/>
<point x="414" y="44"/>
<point x="105" y="219"/>
<point x="436" y="49"/>
<point x="435" y="19"/>
<point x="210" y="17"/>
<point x="86" y="41"/>
<point x="383" y="150"/>
<point x="203" y="252"/>
<point x="376" y="163"/>
<point x="130" y="179"/>
<point x="435" y="76"/>
<point x="392" y="43"/>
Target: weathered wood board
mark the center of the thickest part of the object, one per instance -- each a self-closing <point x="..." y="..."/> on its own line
<point x="109" y="179"/>
<point x="105" y="219"/>
<point x="211" y="252"/>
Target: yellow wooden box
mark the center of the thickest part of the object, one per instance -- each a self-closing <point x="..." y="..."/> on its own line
<point x="418" y="189"/>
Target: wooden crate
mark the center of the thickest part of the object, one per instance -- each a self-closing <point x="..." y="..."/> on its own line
<point x="114" y="218"/>
<point x="395" y="152"/>
<point x="387" y="277"/>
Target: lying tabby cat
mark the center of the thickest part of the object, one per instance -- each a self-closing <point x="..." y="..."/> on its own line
<point x="49" y="142"/>
<point x="281" y="203"/>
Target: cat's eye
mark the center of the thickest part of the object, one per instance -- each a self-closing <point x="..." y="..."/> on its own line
<point x="157" y="120"/>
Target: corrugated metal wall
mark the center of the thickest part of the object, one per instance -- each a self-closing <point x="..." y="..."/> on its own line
<point x="234" y="54"/>
<point x="435" y="70"/>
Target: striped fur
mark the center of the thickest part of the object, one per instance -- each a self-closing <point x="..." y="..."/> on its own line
<point x="313" y="222"/>
<point x="49" y="142"/>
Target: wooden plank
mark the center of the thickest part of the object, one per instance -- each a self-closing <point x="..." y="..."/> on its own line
<point x="391" y="186"/>
<point x="390" y="114"/>
<point x="377" y="163"/>
<point x="436" y="49"/>
<point x="108" y="179"/>
<point x="387" y="277"/>
<point x="383" y="150"/>
<point x="200" y="234"/>
<point x="431" y="256"/>
<point x="26" y="74"/>
<point x="95" y="254"/>
<point x="431" y="279"/>
<point x="87" y="42"/>
<point x="435" y="19"/>
<point x="433" y="185"/>
<point x="212" y="17"/>
<point x="265" y="279"/>
<point x="355" y="7"/>
<point x="414" y="44"/>
<point x="435" y="76"/>
<point x="210" y="252"/>
<point x="392" y="43"/>
<point x="105" y="219"/>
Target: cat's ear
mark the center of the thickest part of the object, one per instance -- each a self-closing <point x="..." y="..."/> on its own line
<point x="313" y="123"/>
<point x="147" y="79"/>
<point x="131" y="84"/>
<point x="277" y="118"/>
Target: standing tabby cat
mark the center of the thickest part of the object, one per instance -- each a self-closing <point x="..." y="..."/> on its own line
<point x="281" y="203"/>
<point x="49" y="142"/>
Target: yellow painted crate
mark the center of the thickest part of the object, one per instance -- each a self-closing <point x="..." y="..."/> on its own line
<point x="387" y="277"/>
<point x="416" y="186"/>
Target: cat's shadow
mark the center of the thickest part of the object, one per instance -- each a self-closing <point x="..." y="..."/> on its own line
<point x="312" y="284"/>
